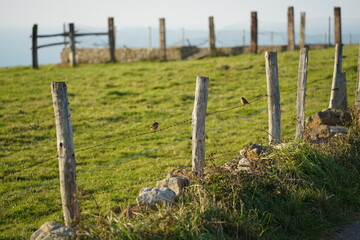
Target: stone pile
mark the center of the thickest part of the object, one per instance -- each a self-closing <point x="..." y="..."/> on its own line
<point x="326" y="124"/>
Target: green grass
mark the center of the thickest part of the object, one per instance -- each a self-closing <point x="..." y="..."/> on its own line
<point x="110" y="101"/>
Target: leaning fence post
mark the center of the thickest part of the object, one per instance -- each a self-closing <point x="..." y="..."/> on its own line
<point x="338" y="98"/>
<point x="357" y="103"/>
<point x="198" y="125"/>
<point x="72" y="44"/>
<point x="273" y="92"/>
<point x="111" y="30"/>
<point x="66" y="155"/>
<point x="301" y="93"/>
<point x="34" y="47"/>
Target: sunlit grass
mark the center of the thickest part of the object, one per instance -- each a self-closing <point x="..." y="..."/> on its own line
<point x="110" y="101"/>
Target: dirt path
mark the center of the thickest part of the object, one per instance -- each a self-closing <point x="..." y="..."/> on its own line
<point x="348" y="231"/>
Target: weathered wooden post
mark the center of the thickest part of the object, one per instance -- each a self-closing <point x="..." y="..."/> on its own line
<point x="273" y="93"/>
<point x="66" y="154"/>
<point x="162" y="39"/>
<point x="198" y="125"/>
<point x="302" y="31"/>
<point x="357" y="103"/>
<point x="301" y="93"/>
<point x="111" y="39"/>
<point x="338" y="98"/>
<point x="212" y="46"/>
<point x="291" y="34"/>
<point x="254" y="33"/>
<point x="34" y="47"/>
<point x="337" y="25"/>
<point x="72" y="45"/>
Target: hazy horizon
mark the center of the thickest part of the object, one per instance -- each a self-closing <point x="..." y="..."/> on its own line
<point x="232" y="18"/>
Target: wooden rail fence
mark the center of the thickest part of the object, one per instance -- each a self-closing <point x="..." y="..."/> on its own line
<point x="72" y="36"/>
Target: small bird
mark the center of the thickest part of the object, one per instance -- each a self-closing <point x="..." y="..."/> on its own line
<point x="244" y="101"/>
<point x="154" y="126"/>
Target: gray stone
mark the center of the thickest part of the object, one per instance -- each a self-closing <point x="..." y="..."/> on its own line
<point x="177" y="184"/>
<point x="338" y="130"/>
<point x="245" y="165"/>
<point x="156" y="196"/>
<point x="53" y="231"/>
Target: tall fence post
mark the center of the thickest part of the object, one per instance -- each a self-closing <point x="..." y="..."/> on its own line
<point x="302" y="31"/>
<point x="337" y="25"/>
<point x="162" y="39"/>
<point x="254" y="33"/>
<point x="198" y="125"/>
<point x="357" y="103"/>
<point x="291" y="34"/>
<point x="66" y="155"/>
<point x="273" y="92"/>
<point x="338" y="97"/>
<point x="111" y="39"/>
<point x="34" y="47"/>
<point x="212" y="46"/>
<point x="301" y="93"/>
<point x="72" y="44"/>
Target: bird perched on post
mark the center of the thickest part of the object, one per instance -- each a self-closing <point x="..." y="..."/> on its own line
<point x="244" y="101"/>
<point x="154" y="126"/>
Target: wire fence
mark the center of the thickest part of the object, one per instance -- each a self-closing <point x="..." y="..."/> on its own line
<point x="175" y="124"/>
<point x="318" y="31"/>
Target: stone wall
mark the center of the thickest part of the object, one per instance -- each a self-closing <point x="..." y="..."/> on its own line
<point x="102" y="55"/>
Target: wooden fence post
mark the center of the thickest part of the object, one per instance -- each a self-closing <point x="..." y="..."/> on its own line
<point x="337" y="25"/>
<point x="273" y="92"/>
<point x="302" y="31"/>
<point x="162" y="39"/>
<point x="34" y="47"/>
<point x="212" y="46"/>
<point x="198" y="125"/>
<point x="72" y="45"/>
<point x="357" y="103"/>
<point x="338" y="98"/>
<point x="301" y="93"/>
<point x="254" y="33"/>
<point x="66" y="155"/>
<point x="111" y="39"/>
<point x="291" y="34"/>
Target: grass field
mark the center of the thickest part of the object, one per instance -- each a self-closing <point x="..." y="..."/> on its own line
<point x="111" y="101"/>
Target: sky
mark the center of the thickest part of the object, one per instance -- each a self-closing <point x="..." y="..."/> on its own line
<point x="180" y="13"/>
<point x="18" y="16"/>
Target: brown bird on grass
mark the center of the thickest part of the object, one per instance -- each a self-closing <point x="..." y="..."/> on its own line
<point x="154" y="126"/>
<point x="244" y="101"/>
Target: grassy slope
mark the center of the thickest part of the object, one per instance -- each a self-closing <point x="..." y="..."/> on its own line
<point x="109" y="101"/>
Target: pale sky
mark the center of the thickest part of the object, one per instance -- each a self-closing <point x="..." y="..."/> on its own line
<point x="184" y="13"/>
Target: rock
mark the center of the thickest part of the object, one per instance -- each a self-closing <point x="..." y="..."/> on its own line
<point x="53" y="231"/>
<point x="176" y="184"/>
<point x="232" y="165"/>
<point x="337" y="130"/>
<point x="331" y="117"/>
<point x="181" y="173"/>
<point x="155" y="196"/>
<point x="243" y="152"/>
<point x="253" y="152"/>
<point x="245" y="165"/>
